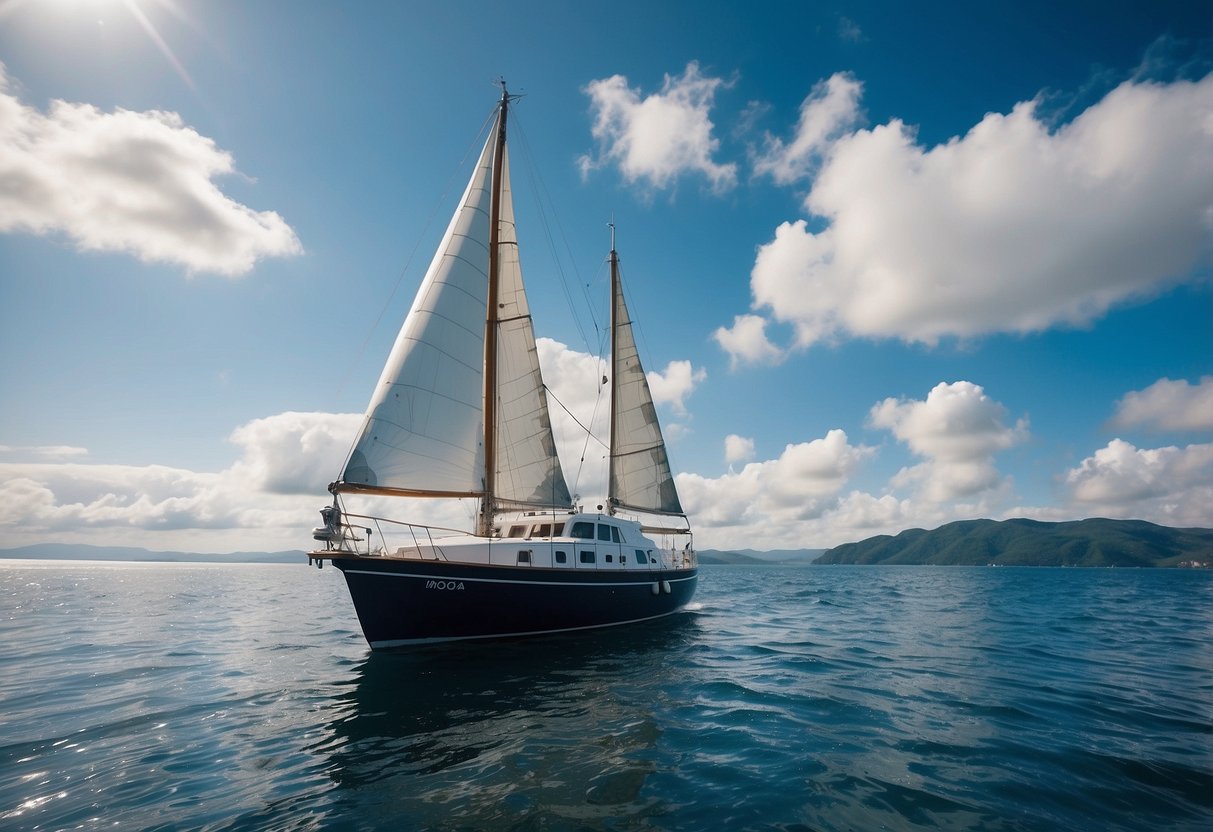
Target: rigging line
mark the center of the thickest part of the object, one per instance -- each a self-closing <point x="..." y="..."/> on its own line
<point x="589" y="433"/>
<point x="544" y="203"/>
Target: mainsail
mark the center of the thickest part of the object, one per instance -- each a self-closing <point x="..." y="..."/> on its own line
<point x="425" y="430"/>
<point x="640" y="477"/>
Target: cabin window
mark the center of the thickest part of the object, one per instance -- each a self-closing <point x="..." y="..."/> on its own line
<point x="604" y="532"/>
<point x="561" y="557"/>
<point x="518" y="531"/>
<point x="623" y="559"/>
<point x="640" y="558"/>
<point x="615" y="534"/>
<point x="587" y="557"/>
<point x="544" y="530"/>
<point x="583" y="530"/>
<point x="524" y="555"/>
<point x="557" y="529"/>
<point x="609" y="559"/>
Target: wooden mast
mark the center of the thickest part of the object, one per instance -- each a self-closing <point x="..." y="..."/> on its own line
<point x="614" y="371"/>
<point x="490" y="325"/>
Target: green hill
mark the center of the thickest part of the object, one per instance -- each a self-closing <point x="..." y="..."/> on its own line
<point x="1021" y="542"/>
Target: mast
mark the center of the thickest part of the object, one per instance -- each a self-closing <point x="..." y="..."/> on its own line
<point x="611" y="489"/>
<point x="640" y="476"/>
<point x="490" y="325"/>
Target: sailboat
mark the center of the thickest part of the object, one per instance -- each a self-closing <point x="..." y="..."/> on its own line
<point x="461" y="411"/>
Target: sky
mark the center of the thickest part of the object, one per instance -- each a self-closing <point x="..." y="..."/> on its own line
<point x="892" y="265"/>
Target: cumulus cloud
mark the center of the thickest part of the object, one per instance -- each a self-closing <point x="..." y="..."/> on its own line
<point x="673" y="386"/>
<point x="580" y="401"/>
<point x="67" y="497"/>
<point x="738" y="448"/>
<point x="803" y="483"/>
<point x="957" y="429"/>
<point x="295" y="453"/>
<point x="1168" y="405"/>
<point x="134" y="182"/>
<point x="746" y="342"/>
<point x="831" y="109"/>
<point x="1168" y="485"/>
<point x="269" y="494"/>
<point x="657" y="138"/>
<point x="1012" y="227"/>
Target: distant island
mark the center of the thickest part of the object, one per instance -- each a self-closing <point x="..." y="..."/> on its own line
<point x="1022" y="542"/>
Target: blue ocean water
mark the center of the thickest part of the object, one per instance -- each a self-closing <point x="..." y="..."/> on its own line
<point x="216" y="697"/>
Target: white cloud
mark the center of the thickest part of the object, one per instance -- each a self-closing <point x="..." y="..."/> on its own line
<point x="802" y="484"/>
<point x="43" y="451"/>
<point x="579" y="400"/>
<point x="738" y="448"/>
<point x="1168" y="405"/>
<point x="1013" y="227"/>
<point x="135" y="182"/>
<point x="659" y="137"/>
<point x="958" y="429"/>
<point x="673" y="386"/>
<point x="1170" y="485"/>
<point x="829" y="110"/>
<point x="848" y="30"/>
<point x="746" y="342"/>
<point x="43" y="497"/>
<point x="266" y="498"/>
<point x="295" y="453"/>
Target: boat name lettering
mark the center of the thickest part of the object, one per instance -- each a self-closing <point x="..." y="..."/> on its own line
<point x="444" y="584"/>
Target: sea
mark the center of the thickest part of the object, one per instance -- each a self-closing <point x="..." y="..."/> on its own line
<point x="175" y="696"/>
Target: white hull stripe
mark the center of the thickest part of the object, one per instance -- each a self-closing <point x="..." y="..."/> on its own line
<point x="507" y="581"/>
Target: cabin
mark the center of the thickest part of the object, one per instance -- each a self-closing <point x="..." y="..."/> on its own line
<point x="554" y="541"/>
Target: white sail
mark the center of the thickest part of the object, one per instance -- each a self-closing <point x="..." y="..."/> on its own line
<point x="424" y="427"/>
<point x="424" y="432"/>
<point x="640" y="470"/>
<point x="528" y="470"/>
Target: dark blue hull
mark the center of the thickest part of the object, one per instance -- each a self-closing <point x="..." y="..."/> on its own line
<point x="403" y="602"/>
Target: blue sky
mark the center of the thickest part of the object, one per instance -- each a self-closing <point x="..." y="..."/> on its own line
<point x="891" y="266"/>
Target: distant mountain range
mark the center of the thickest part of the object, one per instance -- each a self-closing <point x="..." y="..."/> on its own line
<point x="1096" y="542"/>
<point x="1020" y="542"/>
<point x="83" y="551"/>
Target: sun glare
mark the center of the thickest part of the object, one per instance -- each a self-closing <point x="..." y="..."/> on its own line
<point x="104" y="11"/>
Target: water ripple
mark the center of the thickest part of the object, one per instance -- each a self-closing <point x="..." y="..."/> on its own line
<point x="236" y="698"/>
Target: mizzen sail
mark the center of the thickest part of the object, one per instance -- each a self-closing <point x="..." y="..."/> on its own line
<point x="640" y="477"/>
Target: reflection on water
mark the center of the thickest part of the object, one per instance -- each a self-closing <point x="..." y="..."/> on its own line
<point x="561" y="727"/>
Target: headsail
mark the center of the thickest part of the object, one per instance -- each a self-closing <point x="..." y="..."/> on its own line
<point x="528" y="471"/>
<point x="640" y="475"/>
<point x="425" y="430"/>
